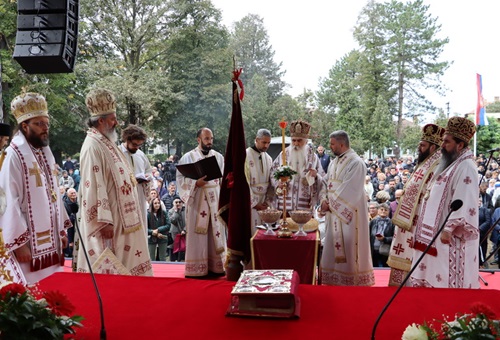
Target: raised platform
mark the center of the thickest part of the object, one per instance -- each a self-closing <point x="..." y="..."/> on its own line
<point x="177" y="308"/>
<point x="176" y="270"/>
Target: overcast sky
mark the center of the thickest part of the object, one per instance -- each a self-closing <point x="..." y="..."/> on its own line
<point x="309" y="36"/>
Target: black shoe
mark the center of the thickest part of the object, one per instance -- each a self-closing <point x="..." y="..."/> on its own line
<point x="213" y="274"/>
<point x="203" y="277"/>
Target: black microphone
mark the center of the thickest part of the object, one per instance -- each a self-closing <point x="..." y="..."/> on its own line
<point x="101" y="310"/>
<point x="454" y="206"/>
<point x="494" y="150"/>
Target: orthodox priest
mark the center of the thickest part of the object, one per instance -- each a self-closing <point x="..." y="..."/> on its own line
<point x="258" y="172"/>
<point x="452" y="260"/>
<point x="110" y="218"/>
<point x="133" y="138"/>
<point x="205" y="237"/>
<point x="34" y="222"/>
<point x="303" y="189"/>
<point x="406" y="215"/>
<point x="346" y="258"/>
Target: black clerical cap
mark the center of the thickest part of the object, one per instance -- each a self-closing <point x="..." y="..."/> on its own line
<point x="4" y="129"/>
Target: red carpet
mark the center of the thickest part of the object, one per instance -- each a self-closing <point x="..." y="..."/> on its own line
<point x="174" y="308"/>
<point x="176" y="269"/>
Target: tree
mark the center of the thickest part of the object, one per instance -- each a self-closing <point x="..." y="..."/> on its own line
<point x="406" y="42"/>
<point x="131" y="37"/>
<point x="339" y="97"/>
<point x="250" y="44"/>
<point x="255" y="107"/>
<point x="199" y="66"/>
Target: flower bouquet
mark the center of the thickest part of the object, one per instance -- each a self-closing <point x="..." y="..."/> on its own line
<point x="27" y="313"/>
<point x="284" y="172"/>
<point x="480" y="324"/>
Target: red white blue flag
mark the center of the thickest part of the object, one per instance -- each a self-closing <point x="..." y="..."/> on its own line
<point x="481" y="118"/>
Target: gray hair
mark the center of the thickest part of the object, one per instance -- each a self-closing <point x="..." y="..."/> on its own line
<point x="341" y="136"/>
<point x="93" y="120"/>
<point x="263" y="133"/>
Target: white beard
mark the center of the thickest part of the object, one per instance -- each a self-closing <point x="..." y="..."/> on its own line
<point x="112" y="135"/>
<point x="298" y="159"/>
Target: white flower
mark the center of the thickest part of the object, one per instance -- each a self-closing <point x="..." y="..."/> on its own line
<point x="6" y="283"/>
<point x="414" y="332"/>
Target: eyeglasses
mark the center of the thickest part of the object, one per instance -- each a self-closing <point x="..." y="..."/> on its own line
<point x="137" y="145"/>
<point x="41" y="124"/>
<point x="177" y="202"/>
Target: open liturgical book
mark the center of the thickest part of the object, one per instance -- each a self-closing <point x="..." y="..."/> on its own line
<point x="266" y="293"/>
<point x="141" y="178"/>
<point x="206" y="166"/>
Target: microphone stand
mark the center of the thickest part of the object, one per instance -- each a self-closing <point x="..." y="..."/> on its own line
<point x="486" y="166"/>
<point x="413" y="269"/>
<point x="101" y="310"/>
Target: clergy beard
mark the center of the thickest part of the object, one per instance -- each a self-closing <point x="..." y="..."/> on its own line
<point x="423" y="155"/>
<point x="110" y="133"/>
<point x="446" y="159"/>
<point x="206" y="147"/>
<point x="37" y="141"/>
<point x="298" y="157"/>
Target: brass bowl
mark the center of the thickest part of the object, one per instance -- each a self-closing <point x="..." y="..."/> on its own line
<point x="270" y="215"/>
<point x="301" y="216"/>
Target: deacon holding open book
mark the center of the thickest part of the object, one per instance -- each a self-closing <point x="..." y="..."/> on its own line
<point x="205" y="238"/>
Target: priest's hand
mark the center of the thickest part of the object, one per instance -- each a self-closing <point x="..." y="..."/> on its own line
<point x="200" y="182"/>
<point x="261" y="206"/>
<point x="312" y="172"/>
<point x="108" y="231"/>
<point x="23" y="253"/>
<point x="64" y="242"/>
<point x="445" y="237"/>
<point x="325" y="207"/>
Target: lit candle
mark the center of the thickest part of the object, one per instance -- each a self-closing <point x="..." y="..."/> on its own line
<point x="283" y="153"/>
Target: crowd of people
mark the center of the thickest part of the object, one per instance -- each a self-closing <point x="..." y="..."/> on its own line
<point x="376" y="213"/>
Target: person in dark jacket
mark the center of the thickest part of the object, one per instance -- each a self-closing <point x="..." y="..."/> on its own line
<point x="178" y="220"/>
<point x="71" y="205"/>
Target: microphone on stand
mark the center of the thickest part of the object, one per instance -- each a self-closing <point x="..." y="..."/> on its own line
<point x="455" y="205"/>
<point x="493" y="150"/>
<point x="101" y="310"/>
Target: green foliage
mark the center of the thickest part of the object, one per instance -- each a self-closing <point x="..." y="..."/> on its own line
<point x="488" y="136"/>
<point x="250" y="45"/>
<point x="23" y="316"/>
<point x="441" y="120"/>
<point x="493" y="107"/>
<point x="404" y="37"/>
<point x="411" y="136"/>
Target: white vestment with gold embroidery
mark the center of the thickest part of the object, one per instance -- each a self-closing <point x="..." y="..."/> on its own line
<point x="258" y="172"/>
<point x="302" y="191"/>
<point x="346" y="258"/>
<point x="453" y="265"/>
<point x="206" y="236"/>
<point x="108" y="195"/>
<point x="34" y="214"/>
<point x="141" y="166"/>
<point x="406" y="217"/>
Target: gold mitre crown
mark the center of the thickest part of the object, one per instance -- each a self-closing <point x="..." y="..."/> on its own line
<point x="101" y="102"/>
<point x="433" y="133"/>
<point x="29" y="105"/>
<point x="461" y="128"/>
<point x="300" y="128"/>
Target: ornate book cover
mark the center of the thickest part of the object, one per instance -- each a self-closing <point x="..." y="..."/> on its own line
<point x="266" y="293"/>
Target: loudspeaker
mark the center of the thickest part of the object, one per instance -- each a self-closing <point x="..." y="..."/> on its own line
<point x="46" y="39"/>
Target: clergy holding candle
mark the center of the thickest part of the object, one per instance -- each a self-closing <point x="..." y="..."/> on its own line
<point x="303" y="188"/>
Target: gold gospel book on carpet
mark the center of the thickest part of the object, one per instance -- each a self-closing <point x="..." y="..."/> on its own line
<point x="266" y="293"/>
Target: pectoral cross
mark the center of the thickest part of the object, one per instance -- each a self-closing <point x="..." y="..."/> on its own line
<point x="35" y="170"/>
